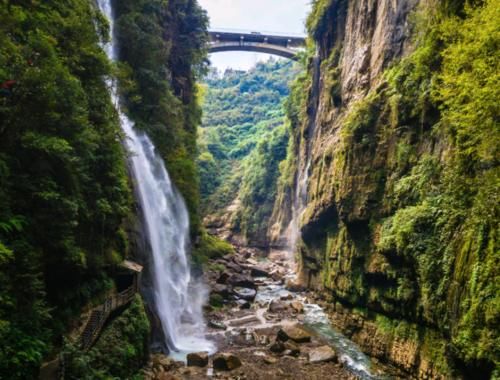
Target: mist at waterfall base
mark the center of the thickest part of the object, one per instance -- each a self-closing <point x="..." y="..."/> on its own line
<point x="178" y="297"/>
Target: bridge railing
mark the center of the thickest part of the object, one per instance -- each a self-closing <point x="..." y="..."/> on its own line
<point x="101" y="313"/>
<point x="257" y="32"/>
<point x="250" y="43"/>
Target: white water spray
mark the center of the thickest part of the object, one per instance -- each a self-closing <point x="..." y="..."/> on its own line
<point x="303" y="169"/>
<point x="178" y="297"/>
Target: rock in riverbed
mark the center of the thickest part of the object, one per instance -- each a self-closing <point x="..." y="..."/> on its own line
<point x="295" y="333"/>
<point x="226" y="362"/>
<point x="297" y="306"/>
<point x="277" y="347"/>
<point x="245" y="293"/>
<point x="197" y="359"/>
<point x="257" y="271"/>
<point x="242" y="281"/>
<point x="322" y="354"/>
<point x="277" y="306"/>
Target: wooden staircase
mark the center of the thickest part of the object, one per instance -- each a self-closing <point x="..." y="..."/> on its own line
<point x="100" y="314"/>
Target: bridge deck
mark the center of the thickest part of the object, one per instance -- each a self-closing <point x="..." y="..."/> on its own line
<point x="256" y="37"/>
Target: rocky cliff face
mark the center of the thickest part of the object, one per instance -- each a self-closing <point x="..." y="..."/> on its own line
<point x="388" y="229"/>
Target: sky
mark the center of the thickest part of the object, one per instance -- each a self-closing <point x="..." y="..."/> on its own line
<point x="281" y="16"/>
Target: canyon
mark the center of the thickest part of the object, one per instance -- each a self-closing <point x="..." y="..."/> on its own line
<point x="334" y="217"/>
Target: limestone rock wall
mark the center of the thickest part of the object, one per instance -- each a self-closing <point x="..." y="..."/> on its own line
<point x="369" y="147"/>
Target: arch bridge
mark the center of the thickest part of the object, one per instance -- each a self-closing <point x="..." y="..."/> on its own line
<point x="286" y="46"/>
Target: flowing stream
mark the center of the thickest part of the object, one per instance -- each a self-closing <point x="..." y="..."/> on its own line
<point x="317" y="321"/>
<point x="178" y="297"/>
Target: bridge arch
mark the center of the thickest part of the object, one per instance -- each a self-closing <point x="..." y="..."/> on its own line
<point x="283" y="46"/>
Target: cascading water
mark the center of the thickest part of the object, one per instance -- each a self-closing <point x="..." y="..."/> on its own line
<point x="178" y="298"/>
<point x="300" y="198"/>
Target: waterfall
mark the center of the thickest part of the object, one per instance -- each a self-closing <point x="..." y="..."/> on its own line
<point x="178" y="297"/>
<point x="303" y="171"/>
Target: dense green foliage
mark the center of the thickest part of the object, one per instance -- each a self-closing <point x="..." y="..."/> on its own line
<point x="64" y="193"/>
<point x="448" y="216"/>
<point x="258" y="184"/>
<point x="210" y="247"/>
<point x="120" y="352"/>
<point x="242" y="142"/>
<point x="63" y="184"/>
<point x="162" y="44"/>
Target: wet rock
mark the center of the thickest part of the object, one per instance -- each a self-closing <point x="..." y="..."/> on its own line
<point x="297" y="306"/>
<point x="277" y="306"/>
<point x="242" y="281"/>
<point x="197" y="359"/>
<point x="226" y="362"/>
<point x="246" y="294"/>
<point x="322" y="354"/>
<point x="295" y="333"/>
<point x="287" y="297"/>
<point x="216" y="324"/>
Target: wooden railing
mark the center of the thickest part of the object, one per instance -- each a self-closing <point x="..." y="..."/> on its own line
<point x="101" y="313"/>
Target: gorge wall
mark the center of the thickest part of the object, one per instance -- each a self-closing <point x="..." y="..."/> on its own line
<point x="400" y="229"/>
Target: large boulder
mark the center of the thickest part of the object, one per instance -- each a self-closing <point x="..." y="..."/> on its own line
<point x="277" y="306"/>
<point x="242" y="281"/>
<point x="258" y="271"/>
<point x="322" y="354"/>
<point x="245" y="293"/>
<point x="226" y="362"/>
<point x="295" y="333"/>
<point x="297" y="306"/>
<point x="223" y="290"/>
<point x="294" y="286"/>
<point x="197" y="359"/>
